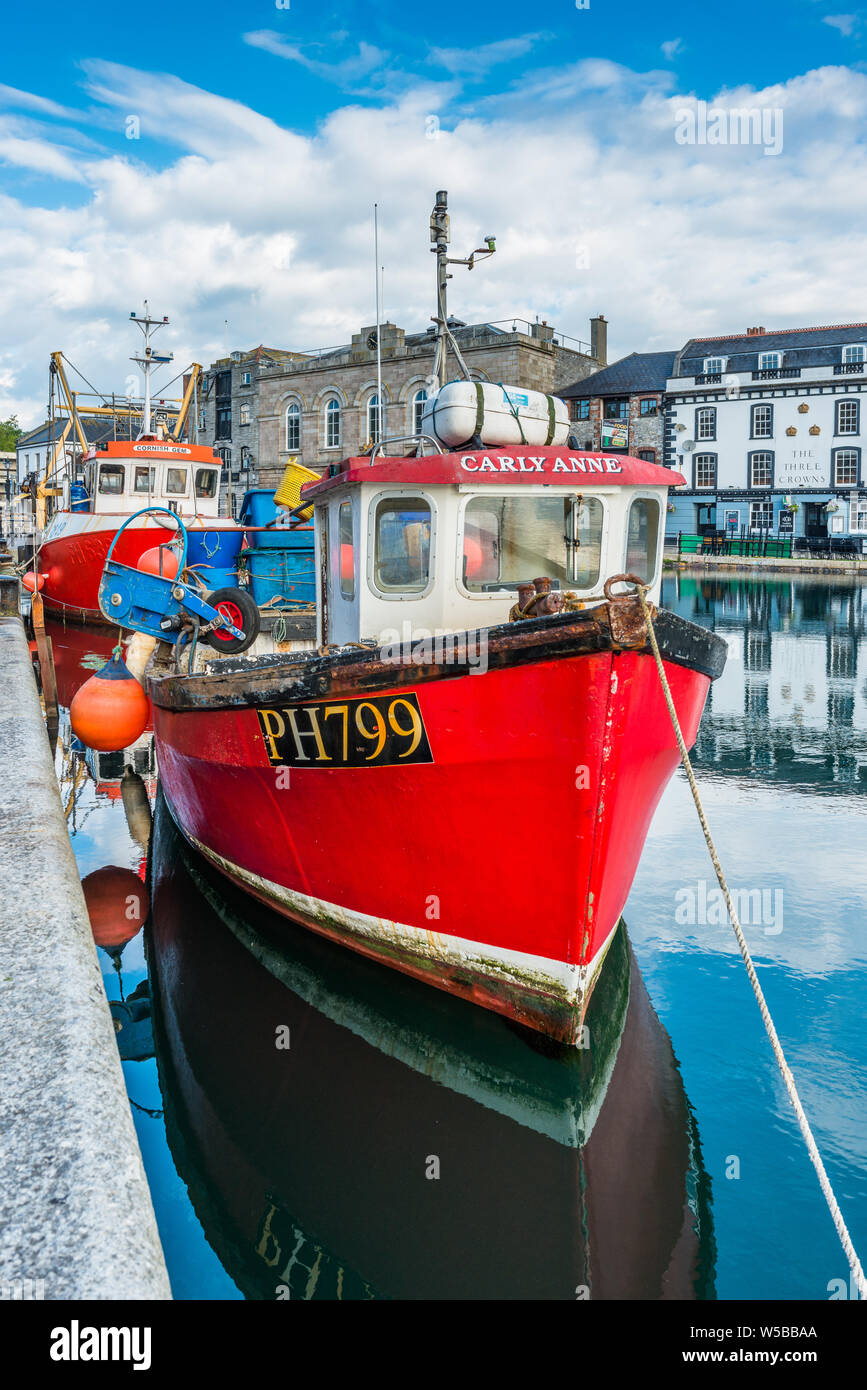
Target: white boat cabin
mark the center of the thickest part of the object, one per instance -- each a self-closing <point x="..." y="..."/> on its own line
<point x="441" y="544"/>
<point x="122" y="476"/>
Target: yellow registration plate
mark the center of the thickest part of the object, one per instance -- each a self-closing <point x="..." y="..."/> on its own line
<point x="384" y="731"/>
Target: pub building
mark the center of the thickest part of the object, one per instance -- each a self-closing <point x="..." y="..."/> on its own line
<point x="767" y="429"/>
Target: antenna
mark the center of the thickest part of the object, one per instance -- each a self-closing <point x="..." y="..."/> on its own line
<point x="148" y="327"/>
<point x="380" y="404"/>
<point x="440" y="236"/>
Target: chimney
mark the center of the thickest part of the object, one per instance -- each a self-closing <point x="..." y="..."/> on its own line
<point x="755" y="332"/>
<point x="599" y="340"/>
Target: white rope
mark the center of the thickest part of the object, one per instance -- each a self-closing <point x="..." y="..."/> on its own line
<point x="812" y="1148"/>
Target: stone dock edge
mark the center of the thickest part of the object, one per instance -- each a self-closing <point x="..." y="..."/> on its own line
<point x="76" y="1217"/>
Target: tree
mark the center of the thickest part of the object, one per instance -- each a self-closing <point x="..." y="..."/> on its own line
<point x="10" y="433"/>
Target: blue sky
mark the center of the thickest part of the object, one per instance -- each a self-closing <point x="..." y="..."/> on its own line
<point x="264" y="135"/>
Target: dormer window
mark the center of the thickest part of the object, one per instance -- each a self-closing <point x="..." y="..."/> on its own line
<point x="855" y="352"/>
<point x="714" y="365"/>
<point x="770" y="361"/>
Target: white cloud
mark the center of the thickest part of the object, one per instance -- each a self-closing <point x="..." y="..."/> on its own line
<point x="476" y="62"/>
<point x="671" y="47"/>
<point x="846" y="23"/>
<point x="250" y="220"/>
<point x="348" y="70"/>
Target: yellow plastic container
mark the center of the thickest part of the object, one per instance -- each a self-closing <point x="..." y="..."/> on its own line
<point x="288" y="494"/>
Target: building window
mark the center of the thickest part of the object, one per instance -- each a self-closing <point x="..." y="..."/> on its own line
<point x="293" y="427"/>
<point x="374" y="415"/>
<point x="224" y="422"/>
<point x="705" y="423"/>
<point x="858" y="514"/>
<point x="714" y="365"/>
<point x="616" y="409"/>
<point x="245" y="413"/>
<point x="846" y="467"/>
<point x="418" y="404"/>
<point x="761" y="421"/>
<point x="770" y="361"/>
<point x="581" y="410"/>
<point x="332" y="425"/>
<point x="761" y="470"/>
<point x="649" y="455"/>
<point x="648" y="407"/>
<point x="705" y="470"/>
<point x="847" y="417"/>
<point x="761" y="515"/>
<point x="854" y="353"/>
<point x="245" y="378"/>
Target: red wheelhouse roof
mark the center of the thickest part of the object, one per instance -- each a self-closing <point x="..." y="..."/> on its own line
<point x="498" y="466"/>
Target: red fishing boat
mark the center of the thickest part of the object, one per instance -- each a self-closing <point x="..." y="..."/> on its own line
<point x="459" y="781"/>
<point x="113" y="480"/>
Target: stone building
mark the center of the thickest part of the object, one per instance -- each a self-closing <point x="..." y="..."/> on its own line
<point x="622" y="408"/>
<point x="320" y="407"/>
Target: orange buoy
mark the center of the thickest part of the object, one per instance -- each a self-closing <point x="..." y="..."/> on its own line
<point x="110" y="711"/>
<point x="33" y="581"/>
<point x="160" y="560"/>
<point x="117" y="905"/>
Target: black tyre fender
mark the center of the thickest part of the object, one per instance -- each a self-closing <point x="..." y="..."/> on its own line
<point x="242" y="609"/>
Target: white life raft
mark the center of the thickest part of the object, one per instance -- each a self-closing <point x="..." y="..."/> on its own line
<point x="498" y="415"/>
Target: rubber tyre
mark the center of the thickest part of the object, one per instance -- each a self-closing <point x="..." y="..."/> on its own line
<point x="241" y="608"/>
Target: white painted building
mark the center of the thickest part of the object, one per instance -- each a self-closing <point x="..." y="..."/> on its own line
<point x="769" y="430"/>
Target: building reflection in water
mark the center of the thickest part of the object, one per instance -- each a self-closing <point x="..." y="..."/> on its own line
<point x="792" y="702"/>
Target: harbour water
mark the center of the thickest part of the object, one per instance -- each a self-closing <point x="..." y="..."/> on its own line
<point x="315" y="1126"/>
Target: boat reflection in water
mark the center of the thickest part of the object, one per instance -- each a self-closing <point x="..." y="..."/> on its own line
<point x="346" y="1132"/>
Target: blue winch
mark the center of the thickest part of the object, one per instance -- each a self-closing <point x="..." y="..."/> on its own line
<point x="178" y="608"/>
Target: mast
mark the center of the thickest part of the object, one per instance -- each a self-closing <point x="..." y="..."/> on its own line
<point x="380" y="412"/>
<point x="148" y="327"/>
<point x="440" y="236"/>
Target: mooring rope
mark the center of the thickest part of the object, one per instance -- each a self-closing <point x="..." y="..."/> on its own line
<point x="812" y="1147"/>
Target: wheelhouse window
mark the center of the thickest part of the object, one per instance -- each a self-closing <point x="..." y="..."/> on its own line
<point x="761" y="470"/>
<point x="705" y="470"/>
<point x="111" y="476"/>
<point x="176" y="481"/>
<point x="144" y="479"/>
<point x="401" y="555"/>
<point x="347" y="551"/>
<point x="293" y="428"/>
<point x="847" y="417"/>
<point x="332" y="425"/>
<point x="642" y="538"/>
<point x="206" y="482"/>
<point x="845" y="468"/>
<point x="418" y="404"/>
<point x="581" y="410"/>
<point x="762" y="421"/>
<point x="705" y="423"/>
<point x="510" y="541"/>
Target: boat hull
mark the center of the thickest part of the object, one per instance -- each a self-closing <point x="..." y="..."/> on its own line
<point x="495" y="868"/>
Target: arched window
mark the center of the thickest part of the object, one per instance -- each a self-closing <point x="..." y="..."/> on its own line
<point x="418" y="402"/>
<point x="332" y="425"/>
<point x="293" y="427"/>
<point x="374" y="414"/>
